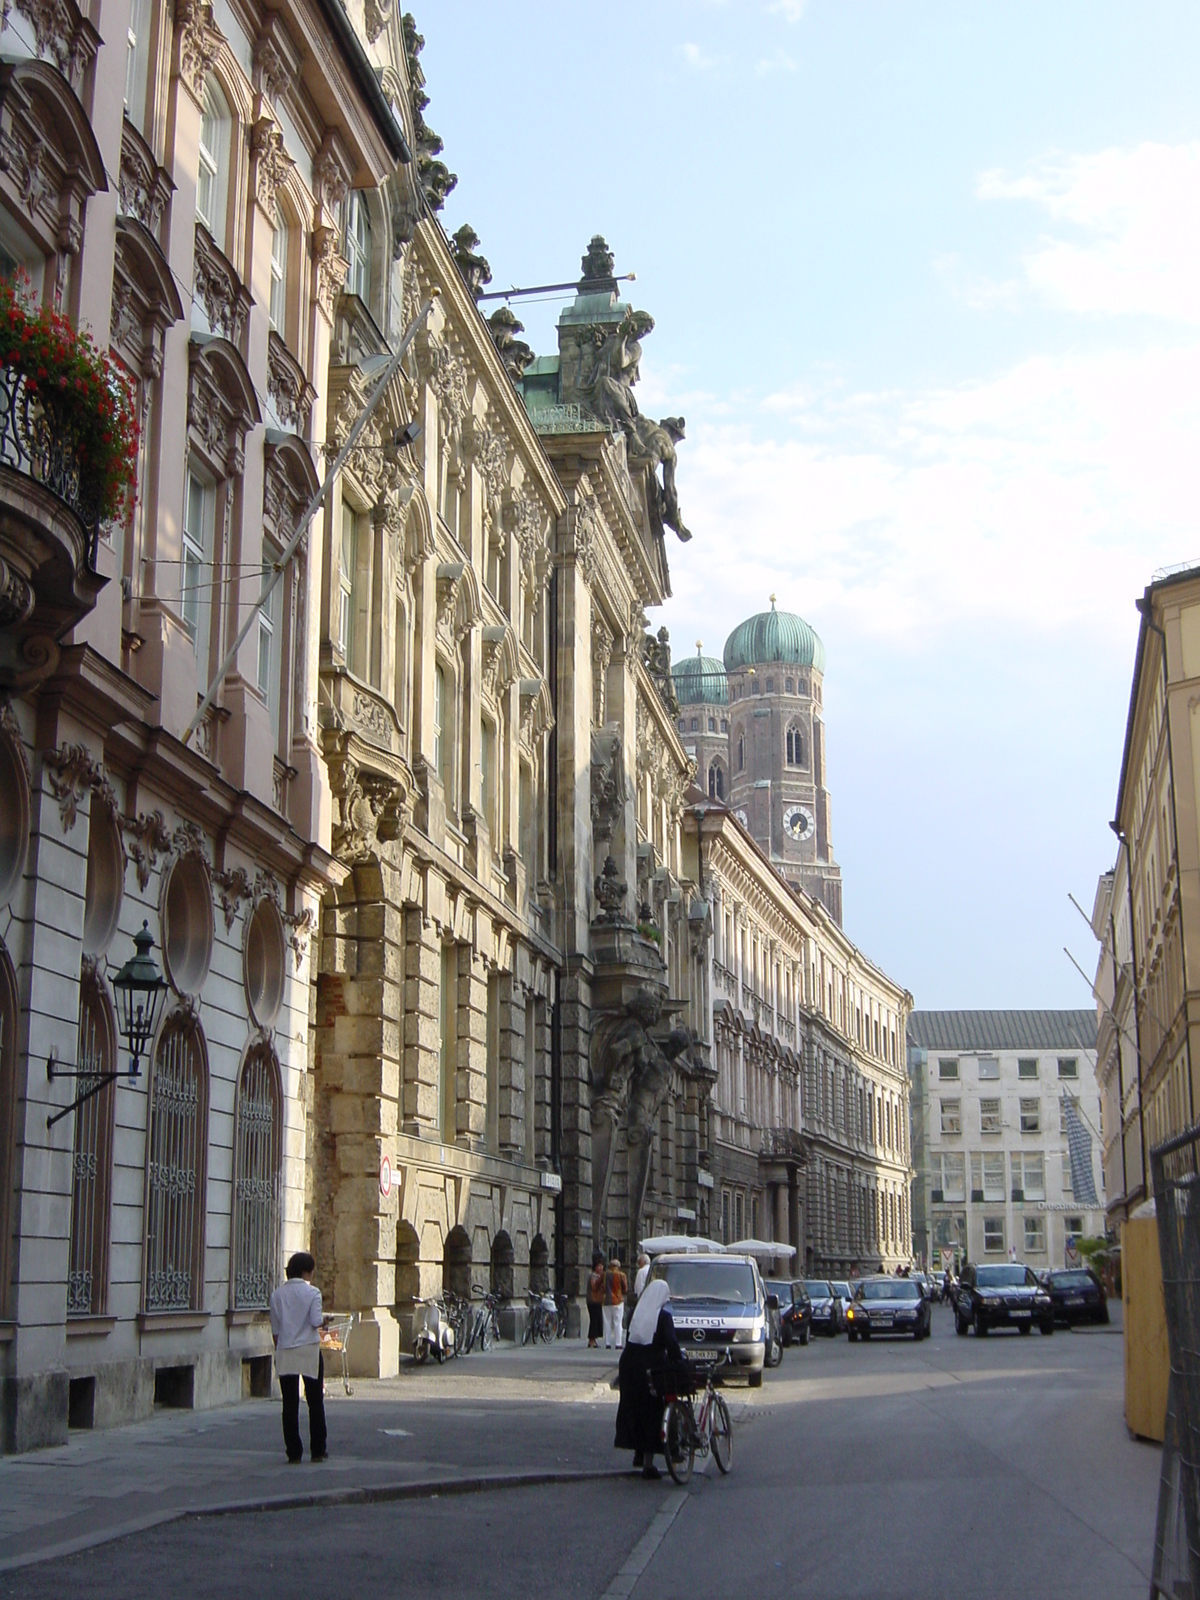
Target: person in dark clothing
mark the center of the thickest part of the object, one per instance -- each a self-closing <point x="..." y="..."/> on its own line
<point x="595" y="1300"/>
<point x="651" y="1345"/>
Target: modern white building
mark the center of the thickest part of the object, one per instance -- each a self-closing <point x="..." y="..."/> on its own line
<point x="993" y="1176"/>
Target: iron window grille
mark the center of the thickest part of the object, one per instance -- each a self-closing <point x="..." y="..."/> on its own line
<point x="91" y="1158"/>
<point x="257" y="1182"/>
<point x="175" y="1171"/>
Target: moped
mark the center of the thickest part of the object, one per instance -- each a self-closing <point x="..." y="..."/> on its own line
<point x="432" y="1332"/>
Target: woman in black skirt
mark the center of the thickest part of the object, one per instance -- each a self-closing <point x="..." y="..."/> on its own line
<point x="651" y="1345"/>
<point x="595" y="1300"/>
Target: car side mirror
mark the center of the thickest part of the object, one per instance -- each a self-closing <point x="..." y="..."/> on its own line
<point x="772" y="1302"/>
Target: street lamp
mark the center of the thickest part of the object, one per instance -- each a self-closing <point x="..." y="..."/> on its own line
<point x="140" y="990"/>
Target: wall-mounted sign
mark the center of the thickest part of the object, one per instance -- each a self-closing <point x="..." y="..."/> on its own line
<point x="686" y="1214"/>
<point x="385" y="1177"/>
<point x="704" y="1179"/>
<point x="551" y="1182"/>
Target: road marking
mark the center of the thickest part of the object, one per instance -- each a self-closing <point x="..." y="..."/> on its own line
<point x="396" y="1433"/>
<point x="644" y="1551"/>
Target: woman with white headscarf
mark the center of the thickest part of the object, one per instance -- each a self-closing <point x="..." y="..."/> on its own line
<point x="649" y="1345"/>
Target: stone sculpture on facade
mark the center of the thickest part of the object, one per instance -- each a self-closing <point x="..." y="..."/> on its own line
<point x="476" y="271"/>
<point x="514" y="352"/>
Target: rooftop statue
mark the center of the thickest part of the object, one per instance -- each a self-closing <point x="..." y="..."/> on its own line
<point x="515" y="353"/>
<point x="477" y="274"/>
<point x="435" y="176"/>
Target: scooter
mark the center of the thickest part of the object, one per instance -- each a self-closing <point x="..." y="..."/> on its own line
<point x="432" y="1333"/>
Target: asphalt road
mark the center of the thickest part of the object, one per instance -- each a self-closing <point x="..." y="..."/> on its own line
<point x="993" y="1469"/>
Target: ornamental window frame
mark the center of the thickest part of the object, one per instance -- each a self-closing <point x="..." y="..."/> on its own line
<point x="213" y="163"/>
<point x="258" y="1179"/>
<point x="174" y="1212"/>
<point x="92" y="1156"/>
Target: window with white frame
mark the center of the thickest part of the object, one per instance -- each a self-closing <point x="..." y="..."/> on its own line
<point x="268" y="647"/>
<point x="951" y="1116"/>
<point x="1035" y="1236"/>
<point x="993" y="1236"/>
<point x="487" y="771"/>
<point x="277" y="308"/>
<point x="358" y="246"/>
<point x="212" y="173"/>
<point x="1068" y="1067"/>
<point x="1074" y="1228"/>
<point x="989" y="1116"/>
<point x="989" y="1069"/>
<point x="948" y="1170"/>
<point x="1031" y="1116"/>
<point x="993" y="1175"/>
<point x="947" y="1071"/>
<point x="441" y="743"/>
<point x="137" y="53"/>
<point x="1027" y="1068"/>
<point x="347" y="563"/>
<point x="1029" y="1174"/>
<point x="195" y="583"/>
<point x="1068" y="1182"/>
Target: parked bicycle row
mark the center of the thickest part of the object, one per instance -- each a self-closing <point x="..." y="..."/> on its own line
<point x="449" y="1324"/>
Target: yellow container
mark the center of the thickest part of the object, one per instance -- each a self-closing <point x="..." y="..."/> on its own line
<point x="1147" y="1357"/>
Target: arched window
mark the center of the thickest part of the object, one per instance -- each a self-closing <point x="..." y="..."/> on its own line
<point x="716" y="781"/>
<point x="712" y="724"/>
<point x="741" y="762"/>
<point x="790" y="686"/>
<point x="91" y="1161"/>
<point x="175" y="1151"/>
<point x="8" y="1103"/>
<point x="212" y="175"/>
<point x="795" y="746"/>
<point x="695" y="725"/>
<point x="258" y="1137"/>
<point x="277" y="310"/>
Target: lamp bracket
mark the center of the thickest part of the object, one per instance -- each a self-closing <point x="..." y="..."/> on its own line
<point x="102" y="1080"/>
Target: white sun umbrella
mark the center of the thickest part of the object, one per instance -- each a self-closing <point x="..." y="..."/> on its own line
<point x="771" y="1250"/>
<point x="679" y="1243"/>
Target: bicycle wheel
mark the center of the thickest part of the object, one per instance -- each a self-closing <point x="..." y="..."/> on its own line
<point x="487" y="1330"/>
<point x="679" y="1443"/>
<point x="722" y="1434"/>
<point x="549" y="1326"/>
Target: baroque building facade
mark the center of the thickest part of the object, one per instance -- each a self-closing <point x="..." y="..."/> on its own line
<point x="181" y="181"/>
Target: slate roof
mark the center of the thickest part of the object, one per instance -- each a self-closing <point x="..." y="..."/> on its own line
<point x="1002" y="1030"/>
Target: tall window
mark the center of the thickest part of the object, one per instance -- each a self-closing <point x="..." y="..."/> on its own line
<point x="91" y="1159"/>
<point x="136" y="56"/>
<point x="487" y="772"/>
<point x="196" y="586"/>
<point x="448" y="1053"/>
<point x="441" y="744"/>
<point x="212" y="171"/>
<point x="277" y="310"/>
<point x="358" y="246"/>
<point x="716" y="781"/>
<point x="741" y="753"/>
<point x="951" y="1116"/>
<point x="176" y="1145"/>
<point x="8" y="1103"/>
<point x="347" y="561"/>
<point x="530" y="1080"/>
<point x="795" y="747"/>
<point x="256" y="1180"/>
<point x="268" y="648"/>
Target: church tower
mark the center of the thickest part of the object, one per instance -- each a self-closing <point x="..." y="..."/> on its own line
<point x="775" y="664"/>
<point x="702" y="691"/>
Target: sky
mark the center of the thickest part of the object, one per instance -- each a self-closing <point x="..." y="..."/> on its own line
<point x="926" y="286"/>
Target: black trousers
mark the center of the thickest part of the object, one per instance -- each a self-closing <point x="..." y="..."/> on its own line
<point x="314" y="1393"/>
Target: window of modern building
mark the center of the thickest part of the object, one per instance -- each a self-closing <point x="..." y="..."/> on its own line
<point x="213" y="171"/>
<point x="993" y="1236"/>
<point x="1035" y="1236"/>
<point x="347" y="572"/>
<point x="176" y="1145"/>
<point x="258" y="1121"/>
<point x="993" y="1175"/>
<point x="947" y="1071"/>
<point x="1073" y="1227"/>
<point x="196" y="587"/>
<point x="357" y="246"/>
<point x="989" y="1069"/>
<point x="1028" y="1175"/>
<point x="951" y="1117"/>
<point x="989" y="1116"/>
<point x="1068" y="1180"/>
<point x="277" y="310"/>
<point x="1031" y="1116"/>
<point x="952" y="1170"/>
<point x="1068" y="1068"/>
<point x="1027" y="1068"/>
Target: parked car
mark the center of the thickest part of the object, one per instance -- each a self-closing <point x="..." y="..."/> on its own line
<point x="1077" y="1295"/>
<point x="795" y="1308"/>
<point x="923" y="1283"/>
<point x="826" y="1307"/>
<point x="719" y="1307"/>
<point x="845" y="1295"/>
<point x="1001" y="1295"/>
<point x="888" y="1305"/>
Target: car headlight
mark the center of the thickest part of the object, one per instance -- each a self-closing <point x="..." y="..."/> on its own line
<point x="747" y="1335"/>
<point x="1041" y="1299"/>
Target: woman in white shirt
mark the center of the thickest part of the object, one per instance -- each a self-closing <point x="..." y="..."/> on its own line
<point x="296" y="1318"/>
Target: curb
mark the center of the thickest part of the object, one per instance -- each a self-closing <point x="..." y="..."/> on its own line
<point x="374" y="1494"/>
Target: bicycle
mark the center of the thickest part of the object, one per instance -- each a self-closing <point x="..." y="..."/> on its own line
<point x="542" y="1322"/>
<point x="686" y="1434"/>
<point x="486" y="1328"/>
<point x="457" y="1307"/>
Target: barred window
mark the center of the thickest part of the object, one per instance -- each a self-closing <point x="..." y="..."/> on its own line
<point x="8" y="1101"/>
<point x="257" y="1182"/>
<point x="176" y="1146"/>
<point x="91" y="1157"/>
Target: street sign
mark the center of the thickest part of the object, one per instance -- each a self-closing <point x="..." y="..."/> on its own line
<point x="385" y="1177"/>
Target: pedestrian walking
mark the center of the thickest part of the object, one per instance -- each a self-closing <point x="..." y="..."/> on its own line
<point x="643" y="1272"/>
<point x="595" y="1300"/>
<point x="296" y="1318"/>
<point x="615" y="1289"/>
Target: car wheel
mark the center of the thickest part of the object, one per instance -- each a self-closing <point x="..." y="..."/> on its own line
<point x="866" y="1334"/>
<point x="756" y="1380"/>
<point x="1025" y="1327"/>
<point x="981" y="1326"/>
<point x="1047" y="1328"/>
<point x="852" y="1335"/>
<point x="804" y="1337"/>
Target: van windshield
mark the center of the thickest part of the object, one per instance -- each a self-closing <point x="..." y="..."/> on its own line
<point x="729" y="1281"/>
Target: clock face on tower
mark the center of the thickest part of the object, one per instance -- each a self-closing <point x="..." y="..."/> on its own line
<point x="742" y="817"/>
<point x="798" y="822"/>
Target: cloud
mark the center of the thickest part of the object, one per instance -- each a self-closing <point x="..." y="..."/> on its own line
<point x="789" y="10"/>
<point x="780" y="61"/>
<point x="695" y="58"/>
<point x="1134" y="213"/>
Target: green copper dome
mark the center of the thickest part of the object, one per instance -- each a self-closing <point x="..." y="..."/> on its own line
<point x="700" y="681"/>
<point x="774" y="636"/>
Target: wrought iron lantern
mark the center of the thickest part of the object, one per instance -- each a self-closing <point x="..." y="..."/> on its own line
<point x="140" y="989"/>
